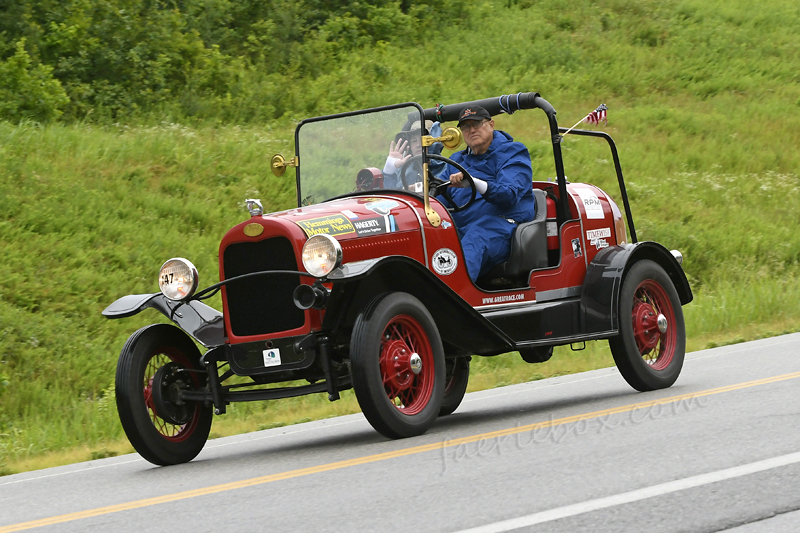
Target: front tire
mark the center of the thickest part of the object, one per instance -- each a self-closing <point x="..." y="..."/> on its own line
<point x="651" y="344"/>
<point x="155" y="436"/>
<point x="397" y="365"/>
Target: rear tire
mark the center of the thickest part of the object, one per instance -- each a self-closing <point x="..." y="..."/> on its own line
<point x="156" y="439"/>
<point x="455" y="384"/>
<point x="397" y="401"/>
<point x="647" y="357"/>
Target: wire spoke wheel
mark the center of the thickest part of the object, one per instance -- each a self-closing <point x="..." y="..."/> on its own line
<point x="407" y="365"/>
<point x="650" y="347"/>
<point x="170" y="431"/>
<point x="155" y="364"/>
<point x="397" y="365"/>
<point x="652" y="312"/>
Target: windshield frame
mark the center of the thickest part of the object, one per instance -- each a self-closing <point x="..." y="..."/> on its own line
<point x="412" y="117"/>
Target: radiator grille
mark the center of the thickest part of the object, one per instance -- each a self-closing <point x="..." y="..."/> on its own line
<point x="261" y="304"/>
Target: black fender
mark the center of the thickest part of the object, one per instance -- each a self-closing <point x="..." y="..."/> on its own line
<point x="464" y="331"/>
<point x="603" y="282"/>
<point x="203" y="323"/>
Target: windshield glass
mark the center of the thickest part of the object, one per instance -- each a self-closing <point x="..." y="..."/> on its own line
<point x="348" y="153"/>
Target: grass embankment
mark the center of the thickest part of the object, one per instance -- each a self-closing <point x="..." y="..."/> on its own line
<point x="703" y="102"/>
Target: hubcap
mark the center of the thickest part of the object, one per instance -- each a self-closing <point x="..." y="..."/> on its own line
<point x="662" y="323"/>
<point x="645" y="317"/>
<point x="415" y="362"/>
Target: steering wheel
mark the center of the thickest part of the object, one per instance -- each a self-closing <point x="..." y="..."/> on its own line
<point x="440" y="186"/>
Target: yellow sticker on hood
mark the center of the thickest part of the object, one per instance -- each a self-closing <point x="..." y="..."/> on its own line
<point x="330" y="225"/>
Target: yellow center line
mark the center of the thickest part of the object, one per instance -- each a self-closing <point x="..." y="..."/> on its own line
<point x="381" y="456"/>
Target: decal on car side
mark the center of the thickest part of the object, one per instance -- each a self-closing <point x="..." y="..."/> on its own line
<point x="576" y="248"/>
<point x="375" y="225"/>
<point x="594" y="209"/>
<point x="597" y="237"/>
<point x="504" y="298"/>
<point x="444" y="261"/>
<point x="382" y="207"/>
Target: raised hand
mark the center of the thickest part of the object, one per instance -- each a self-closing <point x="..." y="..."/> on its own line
<point x="399" y="154"/>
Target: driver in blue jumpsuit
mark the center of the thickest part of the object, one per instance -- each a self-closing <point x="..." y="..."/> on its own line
<point x="502" y="172"/>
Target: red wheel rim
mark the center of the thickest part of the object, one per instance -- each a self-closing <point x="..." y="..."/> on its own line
<point x="403" y="338"/>
<point x="657" y="347"/>
<point x="171" y="432"/>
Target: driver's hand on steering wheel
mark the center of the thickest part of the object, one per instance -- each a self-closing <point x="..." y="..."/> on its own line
<point x="457" y="180"/>
<point x="399" y="155"/>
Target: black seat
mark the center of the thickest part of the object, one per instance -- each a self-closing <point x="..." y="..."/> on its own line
<point x="528" y="249"/>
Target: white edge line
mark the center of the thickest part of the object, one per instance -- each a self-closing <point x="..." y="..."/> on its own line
<point x="636" y="495"/>
<point x="77" y="471"/>
<point x="739" y="347"/>
<point x="209" y="446"/>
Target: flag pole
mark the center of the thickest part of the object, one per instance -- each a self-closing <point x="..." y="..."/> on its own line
<point x="576" y="124"/>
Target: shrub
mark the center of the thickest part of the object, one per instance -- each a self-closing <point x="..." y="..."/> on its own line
<point x="27" y="91"/>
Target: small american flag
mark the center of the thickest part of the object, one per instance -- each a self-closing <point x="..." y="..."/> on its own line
<point x="595" y="117"/>
<point x="598" y="115"/>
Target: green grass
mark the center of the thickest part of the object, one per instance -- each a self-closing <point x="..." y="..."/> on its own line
<point x="703" y="103"/>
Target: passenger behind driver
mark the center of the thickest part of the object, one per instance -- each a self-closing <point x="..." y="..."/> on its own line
<point x="406" y="145"/>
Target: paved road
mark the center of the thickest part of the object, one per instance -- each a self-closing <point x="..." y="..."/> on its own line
<point x="718" y="451"/>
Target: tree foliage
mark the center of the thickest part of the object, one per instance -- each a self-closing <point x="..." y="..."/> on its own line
<point x="119" y="59"/>
<point x="258" y="60"/>
<point x="27" y="91"/>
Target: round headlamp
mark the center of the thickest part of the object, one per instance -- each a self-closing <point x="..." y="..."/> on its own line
<point x="177" y="279"/>
<point x="321" y="254"/>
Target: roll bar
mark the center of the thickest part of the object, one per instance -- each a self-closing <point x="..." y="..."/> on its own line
<point x="508" y="103"/>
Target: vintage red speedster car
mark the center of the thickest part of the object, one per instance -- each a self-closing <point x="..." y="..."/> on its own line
<point x="364" y="286"/>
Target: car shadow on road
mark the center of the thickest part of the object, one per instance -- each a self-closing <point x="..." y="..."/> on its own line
<point x="358" y="439"/>
<point x="351" y="436"/>
<point x="528" y="411"/>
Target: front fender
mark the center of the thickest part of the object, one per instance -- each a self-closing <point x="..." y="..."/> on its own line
<point x="603" y="282"/>
<point x="203" y="323"/>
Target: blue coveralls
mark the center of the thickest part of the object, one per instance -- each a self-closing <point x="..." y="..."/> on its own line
<point x="484" y="227"/>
